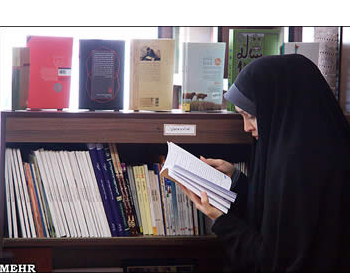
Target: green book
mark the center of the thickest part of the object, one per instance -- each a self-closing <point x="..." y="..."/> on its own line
<point x="246" y="45"/>
<point x="20" y="77"/>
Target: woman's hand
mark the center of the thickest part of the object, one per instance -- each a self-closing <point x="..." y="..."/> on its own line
<point x="221" y="165"/>
<point x="202" y="203"/>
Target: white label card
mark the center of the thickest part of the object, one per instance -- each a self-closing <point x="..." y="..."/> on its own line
<point x="179" y="130"/>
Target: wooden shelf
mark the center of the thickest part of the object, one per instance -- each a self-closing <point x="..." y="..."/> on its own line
<point x="209" y="240"/>
<point x="213" y="130"/>
<point x="118" y="127"/>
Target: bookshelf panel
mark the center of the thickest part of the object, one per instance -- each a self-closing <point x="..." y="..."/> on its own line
<point x="122" y="127"/>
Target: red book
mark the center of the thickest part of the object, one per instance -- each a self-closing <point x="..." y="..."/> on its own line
<point x="50" y="72"/>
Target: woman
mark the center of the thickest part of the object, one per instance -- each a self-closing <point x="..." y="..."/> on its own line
<point x="292" y="213"/>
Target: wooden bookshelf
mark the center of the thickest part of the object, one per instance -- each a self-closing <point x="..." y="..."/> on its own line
<point x="138" y="128"/>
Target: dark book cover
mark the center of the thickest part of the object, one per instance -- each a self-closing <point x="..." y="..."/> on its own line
<point x="109" y="190"/>
<point x="101" y="186"/>
<point x="101" y="74"/>
<point x="117" y="190"/>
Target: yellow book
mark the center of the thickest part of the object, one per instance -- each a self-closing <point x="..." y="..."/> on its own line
<point x="146" y="198"/>
<point x="140" y="197"/>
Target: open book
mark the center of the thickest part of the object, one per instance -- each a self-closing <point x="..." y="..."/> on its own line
<point x="194" y="174"/>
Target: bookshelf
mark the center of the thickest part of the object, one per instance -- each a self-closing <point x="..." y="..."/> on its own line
<point x="216" y="135"/>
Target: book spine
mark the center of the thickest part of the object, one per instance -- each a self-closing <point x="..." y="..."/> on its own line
<point x="230" y="66"/>
<point x="134" y="197"/>
<point x="8" y="189"/>
<point x="103" y="191"/>
<point x="34" y="201"/>
<point x="147" y="202"/>
<point x="160" y="180"/>
<point x="131" y="198"/>
<point x="123" y="188"/>
<point x="109" y="188"/>
<point x="116" y="186"/>
<point x="140" y="197"/>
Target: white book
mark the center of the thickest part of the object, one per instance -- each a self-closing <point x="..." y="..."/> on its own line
<point x="195" y="219"/>
<point x="100" y="212"/>
<point x="151" y="199"/>
<point x="82" y="194"/>
<point x="155" y="202"/>
<point x="180" y="226"/>
<point x="90" y="199"/>
<point x="26" y="195"/>
<point x="189" y="215"/>
<point x="159" y="218"/>
<point x="8" y="189"/>
<point x="73" y="226"/>
<point x="65" y="195"/>
<point x="164" y="207"/>
<point x="77" y="209"/>
<point x="80" y="197"/>
<point x="51" y="199"/>
<point x="55" y="189"/>
<point x="20" y="197"/>
<point x="186" y="169"/>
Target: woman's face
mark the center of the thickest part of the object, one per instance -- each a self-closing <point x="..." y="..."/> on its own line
<point x="250" y="123"/>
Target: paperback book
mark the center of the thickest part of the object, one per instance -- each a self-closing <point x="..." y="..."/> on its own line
<point x="50" y="72"/>
<point x="246" y="45"/>
<point x="151" y="74"/>
<point x="20" y="77"/>
<point x="203" y="75"/>
<point x="101" y="74"/>
<point x="184" y="168"/>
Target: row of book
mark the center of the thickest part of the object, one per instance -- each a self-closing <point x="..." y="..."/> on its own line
<point x="93" y="194"/>
<point x="42" y="71"/>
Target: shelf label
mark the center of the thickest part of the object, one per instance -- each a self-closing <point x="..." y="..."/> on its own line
<point x="179" y="130"/>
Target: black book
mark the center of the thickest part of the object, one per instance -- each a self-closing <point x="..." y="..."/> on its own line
<point x="101" y="74"/>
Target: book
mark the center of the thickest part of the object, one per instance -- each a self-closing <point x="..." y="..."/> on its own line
<point x="124" y="193"/>
<point x="132" y="181"/>
<point x="101" y="74"/>
<point x="141" y="200"/>
<point x="307" y="49"/>
<point x="182" y="167"/>
<point x="246" y="45"/>
<point x="110" y="190"/>
<point x="116" y="186"/>
<point x="34" y="202"/>
<point x="20" y="77"/>
<point x="151" y="74"/>
<point x="203" y="76"/>
<point x="102" y="188"/>
<point x="50" y="72"/>
<point x="146" y="197"/>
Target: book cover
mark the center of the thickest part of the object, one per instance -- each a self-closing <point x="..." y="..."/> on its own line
<point x="101" y="74"/>
<point x="203" y="76"/>
<point x="308" y="49"/>
<point x="147" y="202"/>
<point x="118" y="172"/>
<point x="246" y="45"/>
<point x="20" y="77"/>
<point x="141" y="200"/>
<point x="131" y="197"/>
<point x="109" y="189"/>
<point x="103" y="190"/>
<point x="151" y="74"/>
<point x="50" y="72"/>
<point x="116" y="185"/>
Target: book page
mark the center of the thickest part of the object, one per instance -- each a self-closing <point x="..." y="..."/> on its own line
<point x="206" y="173"/>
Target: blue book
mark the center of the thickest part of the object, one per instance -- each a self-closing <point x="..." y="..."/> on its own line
<point x="109" y="189"/>
<point x="102" y="188"/>
<point x="175" y="208"/>
<point x="116" y="189"/>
